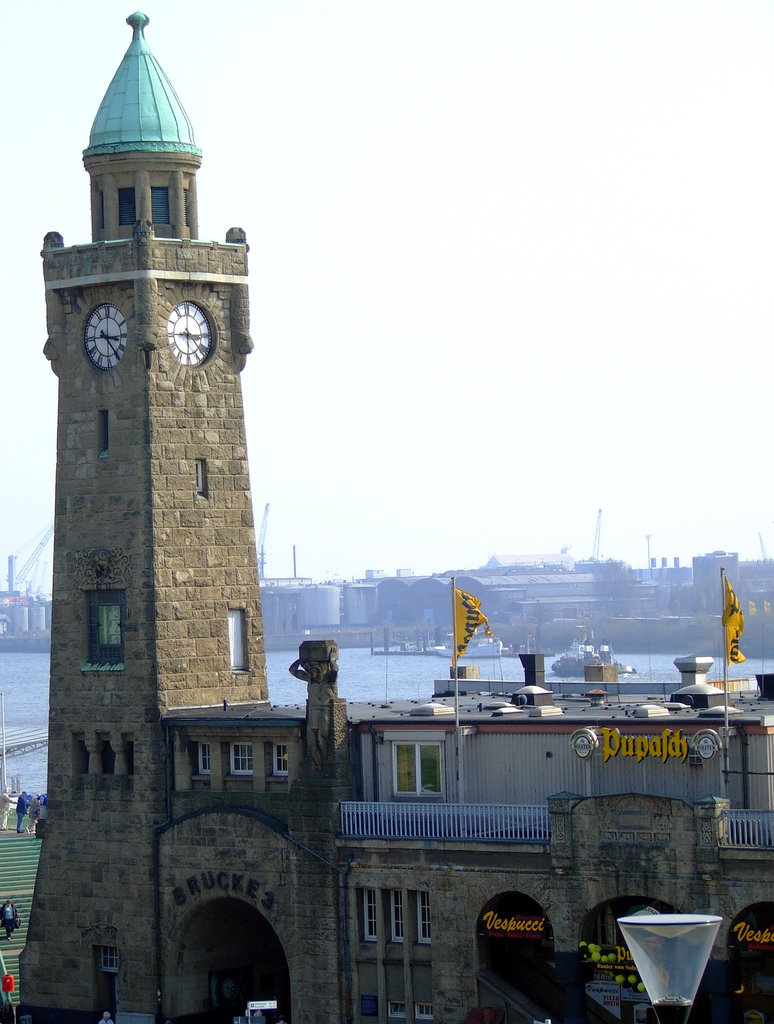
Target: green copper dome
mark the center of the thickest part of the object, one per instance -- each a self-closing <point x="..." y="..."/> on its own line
<point x="140" y="111"/>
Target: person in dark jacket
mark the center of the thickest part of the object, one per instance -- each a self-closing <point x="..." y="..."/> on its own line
<point x="21" y="809"/>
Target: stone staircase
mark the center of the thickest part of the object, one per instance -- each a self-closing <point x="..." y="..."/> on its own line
<point x="19" y="856"/>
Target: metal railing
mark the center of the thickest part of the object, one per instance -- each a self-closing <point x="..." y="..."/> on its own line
<point x="747" y="828"/>
<point x="510" y="823"/>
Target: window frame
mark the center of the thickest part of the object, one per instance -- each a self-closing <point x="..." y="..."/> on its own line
<point x="423" y="1011"/>
<point x="108" y="959"/>
<point x="397" y="916"/>
<point x="279" y="759"/>
<point x="370" y="921"/>
<point x="396" y="1008"/>
<point x="398" y="769"/>
<point x="241" y="760"/>
<point x="98" y="650"/>
<point x="204" y="758"/>
<point x="423" y="917"/>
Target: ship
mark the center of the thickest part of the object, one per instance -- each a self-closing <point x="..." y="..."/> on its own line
<point x="479" y="647"/>
<point x="582" y="654"/>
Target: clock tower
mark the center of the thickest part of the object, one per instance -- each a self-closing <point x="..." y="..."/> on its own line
<point x="156" y="603"/>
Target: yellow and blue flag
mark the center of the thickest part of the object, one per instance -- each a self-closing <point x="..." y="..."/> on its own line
<point x="733" y="620"/>
<point x="467" y="618"/>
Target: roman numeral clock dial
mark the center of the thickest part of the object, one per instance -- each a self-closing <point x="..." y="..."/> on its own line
<point x="104" y="336"/>
<point x="189" y="333"/>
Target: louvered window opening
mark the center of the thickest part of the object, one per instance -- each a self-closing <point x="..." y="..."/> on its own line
<point x="127" y="211"/>
<point x="160" y="205"/>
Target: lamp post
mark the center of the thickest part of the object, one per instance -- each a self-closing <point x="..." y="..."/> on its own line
<point x="670" y="951"/>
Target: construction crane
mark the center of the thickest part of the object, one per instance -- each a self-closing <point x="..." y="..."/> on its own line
<point x="15" y="580"/>
<point x="597" y="535"/>
<point x="261" y="541"/>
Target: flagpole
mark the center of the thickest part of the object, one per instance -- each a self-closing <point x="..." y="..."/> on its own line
<point x="457" y="743"/>
<point x="725" y="677"/>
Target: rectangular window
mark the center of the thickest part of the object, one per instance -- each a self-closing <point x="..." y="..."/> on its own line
<point x="126" y="207"/>
<point x="396" y="915"/>
<point x="280" y="758"/>
<point x="423" y="916"/>
<point x="106" y="610"/>
<point x="241" y="759"/>
<point x="201" y="477"/>
<point x="185" y="203"/>
<point x="205" y="765"/>
<point x="109" y="959"/>
<point x="236" y="638"/>
<point x="369" y="915"/>
<point x="396" y="1009"/>
<point x="416" y="768"/>
<point x="160" y="205"/>
<point x="423" y="1011"/>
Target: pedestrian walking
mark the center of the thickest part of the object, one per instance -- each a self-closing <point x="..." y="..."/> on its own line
<point x="10" y="917"/>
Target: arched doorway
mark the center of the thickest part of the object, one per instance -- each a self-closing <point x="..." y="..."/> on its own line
<point x="614" y="989"/>
<point x="516" y="943"/>
<point x="227" y="955"/>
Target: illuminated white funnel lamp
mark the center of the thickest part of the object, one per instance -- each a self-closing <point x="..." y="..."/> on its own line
<point x="670" y="951"/>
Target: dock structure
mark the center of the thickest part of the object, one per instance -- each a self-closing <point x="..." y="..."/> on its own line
<point x="23" y="741"/>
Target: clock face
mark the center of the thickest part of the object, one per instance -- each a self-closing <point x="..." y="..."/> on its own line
<point x="190" y="336"/>
<point x="228" y="988"/>
<point x="104" y="336"/>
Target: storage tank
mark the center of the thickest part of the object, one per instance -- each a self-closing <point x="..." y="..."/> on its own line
<point x="360" y="604"/>
<point x="319" y="606"/>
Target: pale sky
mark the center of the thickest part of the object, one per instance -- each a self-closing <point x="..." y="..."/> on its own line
<point x="511" y="262"/>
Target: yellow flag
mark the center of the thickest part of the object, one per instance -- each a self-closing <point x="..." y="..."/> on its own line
<point x="733" y="620"/>
<point x="766" y="607"/>
<point x="751" y="608"/>
<point x="467" y="618"/>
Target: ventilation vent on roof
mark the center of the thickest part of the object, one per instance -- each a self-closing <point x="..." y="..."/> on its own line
<point x="432" y="709"/>
<point x="651" y="711"/>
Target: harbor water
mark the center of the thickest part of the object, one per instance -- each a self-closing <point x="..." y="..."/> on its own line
<point x="24" y="680"/>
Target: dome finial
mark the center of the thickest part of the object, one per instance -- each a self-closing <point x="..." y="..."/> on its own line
<point x="138" y="21"/>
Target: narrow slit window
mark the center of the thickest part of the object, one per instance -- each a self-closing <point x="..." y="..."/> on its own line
<point x="396" y="914"/>
<point x="369" y="915"/>
<point x="201" y="478"/>
<point x="236" y="638"/>
<point x="104" y="432"/>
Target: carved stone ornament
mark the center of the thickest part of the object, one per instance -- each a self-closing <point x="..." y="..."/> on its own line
<point x="143" y="232"/>
<point x="100" y="568"/>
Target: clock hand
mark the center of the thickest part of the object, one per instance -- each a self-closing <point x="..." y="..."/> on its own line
<point x="109" y="338"/>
